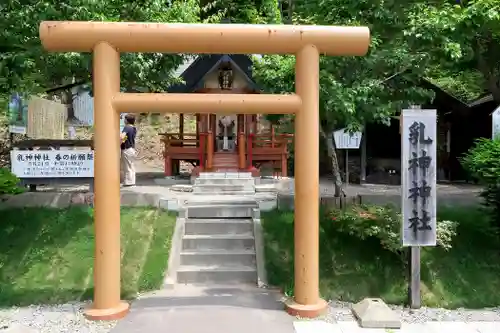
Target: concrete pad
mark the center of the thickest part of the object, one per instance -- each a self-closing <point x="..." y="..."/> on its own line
<point x="168" y="204"/>
<point x="374" y="313"/>
<point x="315" y="326"/>
<point x="485" y="327"/>
<point x="39" y="199"/>
<point x="450" y="327"/>
<point x="168" y="181"/>
<point x="135" y="199"/>
<point x="353" y="327"/>
<point x="208" y="309"/>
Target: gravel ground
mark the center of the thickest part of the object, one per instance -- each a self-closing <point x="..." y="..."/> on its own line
<point x="340" y="311"/>
<point x="66" y="318"/>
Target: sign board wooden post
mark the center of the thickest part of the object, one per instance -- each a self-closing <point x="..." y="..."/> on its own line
<point x="345" y="140"/>
<point x="418" y="189"/>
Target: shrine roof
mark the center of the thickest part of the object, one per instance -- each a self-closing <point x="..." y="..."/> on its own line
<point x="202" y="65"/>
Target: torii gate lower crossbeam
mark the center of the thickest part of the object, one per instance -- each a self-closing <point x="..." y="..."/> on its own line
<point x="107" y="39"/>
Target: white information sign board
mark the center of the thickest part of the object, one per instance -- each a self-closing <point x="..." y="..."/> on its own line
<point x="17" y="129"/>
<point x="345" y="140"/>
<point x="418" y="177"/>
<point x="495" y="120"/>
<point x="52" y="163"/>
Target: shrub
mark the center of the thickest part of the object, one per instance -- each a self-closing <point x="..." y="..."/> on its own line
<point x="9" y="182"/>
<point x="384" y="223"/>
<point x="482" y="161"/>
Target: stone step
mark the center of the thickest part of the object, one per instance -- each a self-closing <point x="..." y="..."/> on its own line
<point x="219" y="210"/>
<point x="246" y="175"/>
<point x="227" y="274"/>
<point x="218" y="242"/>
<point x="226" y="200"/>
<point x="226" y="193"/>
<point x="225" y="181"/>
<point x="218" y="226"/>
<point x="223" y="188"/>
<point x="218" y="257"/>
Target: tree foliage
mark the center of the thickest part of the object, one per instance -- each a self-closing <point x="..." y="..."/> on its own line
<point x="482" y="162"/>
<point x="356" y="90"/>
<point x="461" y="36"/>
<point x="25" y="66"/>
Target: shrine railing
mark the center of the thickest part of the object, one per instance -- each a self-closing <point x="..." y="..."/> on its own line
<point x="270" y="140"/>
<point x="182" y="146"/>
<point x="200" y="147"/>
<point x="268" y="146"/>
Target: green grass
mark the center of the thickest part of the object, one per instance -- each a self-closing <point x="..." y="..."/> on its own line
<point x="468" y="275"/>
<point x="46" y="255"/>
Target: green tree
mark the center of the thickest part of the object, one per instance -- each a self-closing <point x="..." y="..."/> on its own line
<point x="462" y="37"/>
<point x="356" y="90"/>
<point x="241" y="11"/>
<point x="25" y="66"/>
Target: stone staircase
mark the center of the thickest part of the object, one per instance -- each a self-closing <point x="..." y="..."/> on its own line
<point x="218" y="245"/>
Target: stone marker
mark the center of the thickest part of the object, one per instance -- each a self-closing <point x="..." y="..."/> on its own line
<point x="374" y="313"/>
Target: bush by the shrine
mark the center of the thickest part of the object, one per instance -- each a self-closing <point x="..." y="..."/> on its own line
<point x="381" y="222"/>
<point x="8" y="182"/>
<point x="482" y="162"/>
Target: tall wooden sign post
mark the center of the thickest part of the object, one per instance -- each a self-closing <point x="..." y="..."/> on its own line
<point x="418" y="189"/>
<point x="107" y="39"/>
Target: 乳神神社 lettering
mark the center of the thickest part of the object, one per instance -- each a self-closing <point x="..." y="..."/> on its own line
<point x="419" y="177"/>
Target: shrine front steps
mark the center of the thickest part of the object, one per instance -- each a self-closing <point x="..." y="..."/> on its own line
<point x="218" y="245"/>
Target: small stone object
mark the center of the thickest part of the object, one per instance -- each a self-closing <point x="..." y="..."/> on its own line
<point x="374" y="313"/>
<point x="182" y="188"/>
<point x="17" y="328"/>
<point x="80" y="199"/>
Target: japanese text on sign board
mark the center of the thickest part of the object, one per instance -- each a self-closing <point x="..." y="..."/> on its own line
<point x="419" y="178"/>
<point x="52" y="164"/>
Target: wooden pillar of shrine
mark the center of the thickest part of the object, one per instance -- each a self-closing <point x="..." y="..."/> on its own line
<point x="242" y="158"/>
<point x="181" y="126"/>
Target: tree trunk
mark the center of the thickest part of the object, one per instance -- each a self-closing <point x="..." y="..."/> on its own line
<point x="335" y="163"/>
<point x="492" y="81"/>
<point x="67" y="99"/>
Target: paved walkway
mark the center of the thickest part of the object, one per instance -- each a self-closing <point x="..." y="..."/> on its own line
<point x="429" y="327"/>
<point x="213" y="309"/>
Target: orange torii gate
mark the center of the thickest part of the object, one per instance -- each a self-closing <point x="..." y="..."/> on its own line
<point x="107" y="39"/>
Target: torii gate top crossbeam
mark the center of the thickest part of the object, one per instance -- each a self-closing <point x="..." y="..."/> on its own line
<point x="203" y="38"/>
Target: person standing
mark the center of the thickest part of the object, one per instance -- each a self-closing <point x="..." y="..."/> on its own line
<point x="128" y="152"/>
